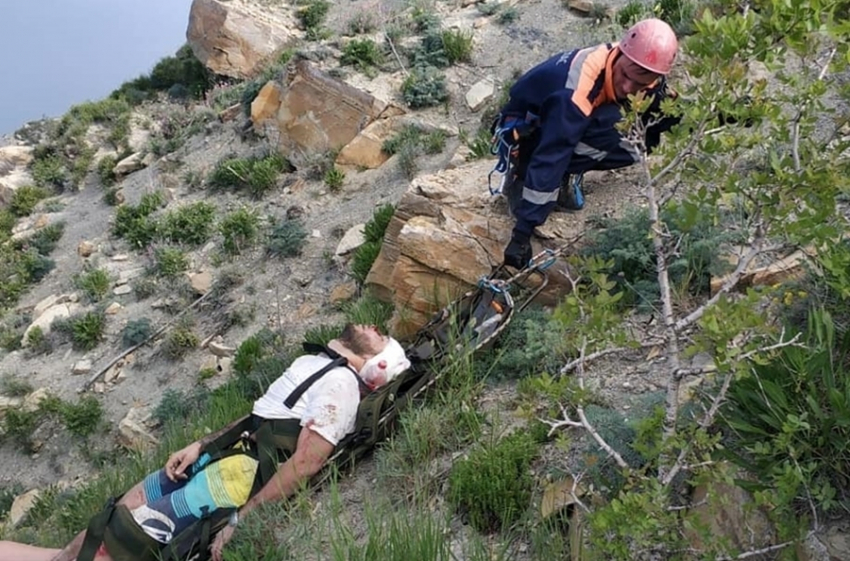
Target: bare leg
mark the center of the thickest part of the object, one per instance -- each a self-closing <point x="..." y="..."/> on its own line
<point x="133" y="498"/>
<point x="13" y="551"/>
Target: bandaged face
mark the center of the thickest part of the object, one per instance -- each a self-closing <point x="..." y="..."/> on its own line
<point x="385" y="366"/>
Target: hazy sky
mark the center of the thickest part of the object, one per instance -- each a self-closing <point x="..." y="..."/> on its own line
<point x="60" y="52"/>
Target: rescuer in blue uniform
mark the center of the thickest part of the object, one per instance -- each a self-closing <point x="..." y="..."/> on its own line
<point x="560" y="122"/>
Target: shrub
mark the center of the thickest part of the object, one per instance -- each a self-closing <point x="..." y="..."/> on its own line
<point x="457" y="45"/>
<point x="625" y="242"/>
<point x="365" y="255"/>
<point x="322" y="334"/>
<point x="111" y="196"/>
<point x="35" y="266"/>
<point x="368" y="310"/>
<point x="136" y="332"/>
<point x="493" y="485"/>
<point x="179" y="341"/>
<point x="424" y="87"/>
<point x="376" y="227"/>
<point x="363" y="259"/>
<point x="94" y="284"/>
<point x="178" y="406"/>
<point x="50" y="172"/>
<point x="190" y="224"/>
<point x="361" y="22"/>
<point x="312" y="17"/>
<point x="239" y="229"/>
<point x="787" y="421"/>
<point x="632" y="12"/>
<point x="83" y="418"/>
<point x="144" y="288"/>
<point x="334" y="179"/>
<point x="37" y="342"/>
<point x="508" y="16"/>
<point x="44" y="241"/>
<point x="287" y="239"/>
<point x="170" y="262"/>
<point x="87" y="330"/>
<point x="257" y="175"/>
<point x="15" y="387"/>
<point x="135" y="224"/>
<point x="25" y="198"/>
<point x="106" y="170"/>
<point x="7" y="223"/>
<point x="362" y="53"/>
<point x="19" y="425"/>
<point x="183" y="70"/>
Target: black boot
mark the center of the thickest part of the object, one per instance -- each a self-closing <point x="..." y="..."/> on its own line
<point x="512" y="190"/>
<point x="570" y="195"/>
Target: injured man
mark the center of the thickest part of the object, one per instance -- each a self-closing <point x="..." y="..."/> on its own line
<point x="292" y="431"/>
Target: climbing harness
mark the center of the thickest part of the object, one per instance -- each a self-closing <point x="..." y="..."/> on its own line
<point x="507" y="132"/>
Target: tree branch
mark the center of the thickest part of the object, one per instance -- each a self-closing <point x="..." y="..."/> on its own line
<point x="583" y="422"/>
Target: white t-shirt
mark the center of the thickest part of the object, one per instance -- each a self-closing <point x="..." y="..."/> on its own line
<point x="329" y="406"/>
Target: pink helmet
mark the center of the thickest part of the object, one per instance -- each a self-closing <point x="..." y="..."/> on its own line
<point x="652" y="44"/>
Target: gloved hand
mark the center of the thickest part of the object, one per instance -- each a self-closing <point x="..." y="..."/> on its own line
<point x="518" y="252"/>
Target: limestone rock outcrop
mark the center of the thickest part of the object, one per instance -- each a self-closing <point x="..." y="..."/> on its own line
<point x="236" y="37"/>
<point x="13" y="171"/>
<point x="312" y="113"/>
<point x="447" y="232"/>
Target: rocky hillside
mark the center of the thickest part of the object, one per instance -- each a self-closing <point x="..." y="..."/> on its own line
<point x="236" y="188"/>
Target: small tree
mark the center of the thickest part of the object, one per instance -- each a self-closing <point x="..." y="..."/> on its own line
<point x="775" y="182"/>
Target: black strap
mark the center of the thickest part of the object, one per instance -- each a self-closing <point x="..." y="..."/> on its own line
<point x="305" y="385"/>
<point x="336" y="360"/>
<point x="95" y="531"/>
<point x="206" y="531"/>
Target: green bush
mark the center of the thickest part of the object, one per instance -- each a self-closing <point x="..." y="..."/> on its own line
<point x="287" y="239"/>
<point x="94" y="284"/>
<point x="19" y="425"/>
<point x="135" y="223"/>
<point x="7" y="224"/>
<point x="493" y="485"/>
<point x="256" y="175"/>
<point x="376" y="227"/>
<point x="312" y="17"/>
<point x="50" y="172"/>
<point x="179" y="342"/>
<point x="25" y="198"/>
<point x="624" y="241"/>
<point x="170" y="262"/>
<point x="788" y="421"/>
<point x="361" y="22"/>
<point x="106" y="170"/>
<point x="189" y="224"/>
<point x="15" y="387"/>
<point x="368" y="310"/>
<point x="334" y="179"/>
<point x="508" y="16"/>
<point x="240" y="229"/>
<point x="44" y="240"/>
<point x="457" y="44"/>
<point x="35" y="266"/>
<point x="37" y="342"/>
<point x="365" y="255"/>
<point x="424" y="87"/>
<point x="183" y="70"/>
<point x="87" y="330"/>
<point x="83" y="418"/>
<point x="362" y="53"/>
<point x="632" y="12"/>
<point x="136" y="332"/>
<point x="322" y="334"/>
<point x="178" y="406"/>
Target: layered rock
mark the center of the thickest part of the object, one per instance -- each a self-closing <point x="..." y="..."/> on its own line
<point x="446" y="234"/>
<point x="13" y="171"/>
<point x="313" y="113"/>
<point x="236" y="38"/>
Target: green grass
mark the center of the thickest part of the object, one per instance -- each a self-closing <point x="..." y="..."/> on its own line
<point x="362" y="53"/>
<point x="334" y="179"/>
<point x="190" y="224"/>
<point x="26" y="198"/>
<point x="170" y="262"/>
<point x="257" y="175"/>
<point x="240" y="229"/>
<point x="457" y="45"/>
<point x="94" y="284"/>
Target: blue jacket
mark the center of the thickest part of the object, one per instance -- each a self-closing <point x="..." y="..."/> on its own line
<point x="562" y="91"/>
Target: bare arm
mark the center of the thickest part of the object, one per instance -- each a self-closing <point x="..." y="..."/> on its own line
<point x="310" y="455"/>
